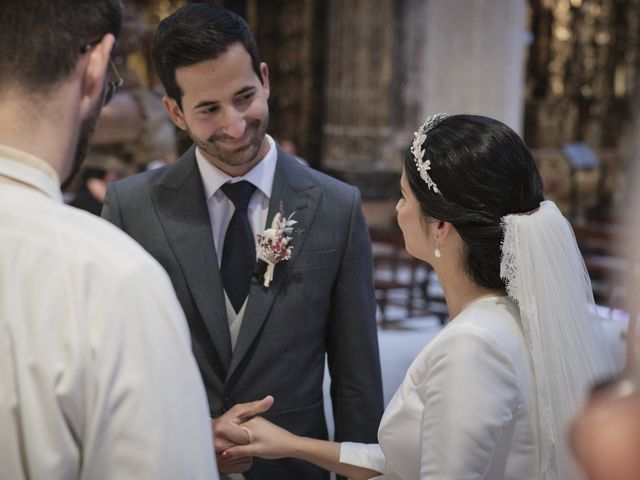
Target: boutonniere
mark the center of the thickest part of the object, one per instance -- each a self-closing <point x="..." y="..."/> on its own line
<point x="273" y="243"/>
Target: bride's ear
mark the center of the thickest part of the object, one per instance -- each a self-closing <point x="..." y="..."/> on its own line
<point x="442" y="230"/>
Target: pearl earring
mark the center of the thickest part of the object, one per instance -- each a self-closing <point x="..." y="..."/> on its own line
<point x="438" y="253"/>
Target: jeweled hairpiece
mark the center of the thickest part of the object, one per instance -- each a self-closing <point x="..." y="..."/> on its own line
<point x="424" y="165"/>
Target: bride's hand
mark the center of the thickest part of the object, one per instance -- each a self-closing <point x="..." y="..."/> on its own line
<point x="267" y="440"/>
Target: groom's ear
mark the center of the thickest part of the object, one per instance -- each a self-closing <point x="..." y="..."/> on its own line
<point x="174" y="111"/>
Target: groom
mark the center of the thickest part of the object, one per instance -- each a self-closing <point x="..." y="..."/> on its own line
<point x="200" y="218"/>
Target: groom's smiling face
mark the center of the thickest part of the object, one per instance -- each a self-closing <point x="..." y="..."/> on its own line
<point x="224" y="109"/>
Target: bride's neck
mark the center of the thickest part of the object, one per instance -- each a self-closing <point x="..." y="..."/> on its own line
<point x="460" y="290"/>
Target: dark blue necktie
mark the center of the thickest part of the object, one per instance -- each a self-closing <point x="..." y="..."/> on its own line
<point x="239" y="251"/>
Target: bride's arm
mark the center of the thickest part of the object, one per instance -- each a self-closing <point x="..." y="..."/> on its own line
<point x="272" y="442"/>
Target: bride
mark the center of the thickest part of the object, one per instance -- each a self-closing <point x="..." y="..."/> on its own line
<point x="492" y="395"/>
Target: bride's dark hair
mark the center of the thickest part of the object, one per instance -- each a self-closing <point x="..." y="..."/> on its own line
<point x="484" y="171"/>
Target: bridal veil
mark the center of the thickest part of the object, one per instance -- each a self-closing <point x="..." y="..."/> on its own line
<point x="545" y="274"/>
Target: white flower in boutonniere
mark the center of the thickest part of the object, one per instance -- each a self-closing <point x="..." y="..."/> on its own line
<point x="273" y="244"/>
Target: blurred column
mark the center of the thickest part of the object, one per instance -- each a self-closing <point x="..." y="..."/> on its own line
<point x="359" y="95"/>
<point x="473" y="58"/>
<point x="390" y="63"/>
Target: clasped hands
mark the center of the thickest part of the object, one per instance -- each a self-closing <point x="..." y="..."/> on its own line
<point x="240" y="435"/>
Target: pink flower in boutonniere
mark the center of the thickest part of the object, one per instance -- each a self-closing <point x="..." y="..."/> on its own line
<point x="273" y="244"/>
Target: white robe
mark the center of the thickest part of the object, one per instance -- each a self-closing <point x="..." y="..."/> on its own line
<point x="97" y="378"/>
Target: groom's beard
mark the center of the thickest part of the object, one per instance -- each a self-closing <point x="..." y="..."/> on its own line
<point x="87" y="127"/>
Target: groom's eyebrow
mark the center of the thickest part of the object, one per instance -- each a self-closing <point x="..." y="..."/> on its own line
<point x="206" y="103"/>
<point x="244" y="90"/>
<point x="213" y="103"/>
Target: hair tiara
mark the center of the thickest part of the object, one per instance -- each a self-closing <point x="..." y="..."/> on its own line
<point x="424" y="164"/>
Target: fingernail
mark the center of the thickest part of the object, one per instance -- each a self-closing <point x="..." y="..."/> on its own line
<point x="226" y="454"/>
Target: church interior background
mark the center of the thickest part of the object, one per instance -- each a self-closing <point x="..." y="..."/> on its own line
<point x="351" y="80"/>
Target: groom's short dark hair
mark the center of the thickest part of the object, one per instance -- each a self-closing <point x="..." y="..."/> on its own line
<point x="195" y="33"/>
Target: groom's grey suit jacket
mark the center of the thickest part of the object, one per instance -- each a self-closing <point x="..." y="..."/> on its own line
<point x="321" y="300"/>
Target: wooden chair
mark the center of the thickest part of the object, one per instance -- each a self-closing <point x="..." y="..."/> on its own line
<point x="599" y="244"/>
<point x="401" y="280"/>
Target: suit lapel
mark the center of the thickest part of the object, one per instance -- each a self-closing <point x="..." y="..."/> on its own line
<point x="295" y="192"/>
<point x="180" y="203"/>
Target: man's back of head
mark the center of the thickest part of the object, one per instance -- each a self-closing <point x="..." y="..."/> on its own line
<point x="42" y="40"/>
<point x="54" y="56"/>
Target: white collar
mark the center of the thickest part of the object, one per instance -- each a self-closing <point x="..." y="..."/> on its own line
<point x="24" y="168"/>
<point x="261" y="175"/>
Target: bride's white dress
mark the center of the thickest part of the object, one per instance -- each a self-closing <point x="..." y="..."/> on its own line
<point x="466" y="408"/>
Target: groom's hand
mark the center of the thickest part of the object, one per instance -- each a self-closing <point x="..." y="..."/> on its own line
<point x="227" y="433"/>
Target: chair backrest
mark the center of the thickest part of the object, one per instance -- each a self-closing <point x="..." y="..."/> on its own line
<point x="601" y="248"/>
<point x="402" y="280"/>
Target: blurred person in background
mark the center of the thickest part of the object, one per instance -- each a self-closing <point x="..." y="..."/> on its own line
<point x="134" y="132"/>
<point x="96" y="174"/>
<point x="135" y="126"/>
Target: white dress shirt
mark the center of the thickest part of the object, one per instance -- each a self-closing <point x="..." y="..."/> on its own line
<point x="466" y="408"/>
<point x="221" y="210"/>
<point x="97" y="378"/>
